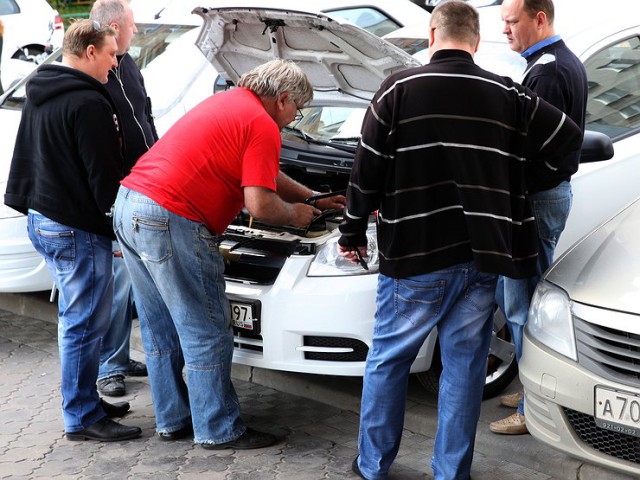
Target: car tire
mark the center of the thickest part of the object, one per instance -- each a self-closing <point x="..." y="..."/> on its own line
<point x="501" y="363"/>
<point x="32" y="53"/>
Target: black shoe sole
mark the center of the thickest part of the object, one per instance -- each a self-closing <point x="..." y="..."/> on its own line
<point x="79" y="437"/>
<point x="177" y="435"/>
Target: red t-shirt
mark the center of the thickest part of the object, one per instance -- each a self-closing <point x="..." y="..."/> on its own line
<point x="199" y="167"/>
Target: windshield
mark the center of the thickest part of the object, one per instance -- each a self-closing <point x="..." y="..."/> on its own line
<point x="331" y="124"/>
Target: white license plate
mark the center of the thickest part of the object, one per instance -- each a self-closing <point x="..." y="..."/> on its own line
<point x="242" y="315"/>
<point x="617" y="411"/>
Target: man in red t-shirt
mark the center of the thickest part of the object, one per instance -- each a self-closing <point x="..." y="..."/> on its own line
<point x="222" y="155"/>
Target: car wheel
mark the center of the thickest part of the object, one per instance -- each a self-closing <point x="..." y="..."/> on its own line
<point x="32" y="53"/>
<point x="501" y="363"/>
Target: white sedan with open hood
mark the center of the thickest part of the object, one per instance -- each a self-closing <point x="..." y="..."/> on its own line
<point x="297" y="305"/>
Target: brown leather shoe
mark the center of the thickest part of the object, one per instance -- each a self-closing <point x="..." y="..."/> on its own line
<point x="512" y="400"/>
<point x="512" y="425"/>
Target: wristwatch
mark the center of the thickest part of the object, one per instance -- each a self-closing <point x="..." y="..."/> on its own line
<point x="312" y="199"/>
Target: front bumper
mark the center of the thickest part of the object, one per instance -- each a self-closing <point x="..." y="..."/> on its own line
<point x="559" y="408"/>
<point x="320" y="325"/>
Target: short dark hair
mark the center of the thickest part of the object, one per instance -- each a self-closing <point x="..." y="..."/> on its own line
<point x="456" y="20"/>
<point x="531" y="7"/>
<point x="83" y="33"/>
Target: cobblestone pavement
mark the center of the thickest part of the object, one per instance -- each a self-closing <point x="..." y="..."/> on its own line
<point x="317" y="441"/>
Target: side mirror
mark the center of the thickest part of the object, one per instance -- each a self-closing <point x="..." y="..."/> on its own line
<point x="596" y="147"/>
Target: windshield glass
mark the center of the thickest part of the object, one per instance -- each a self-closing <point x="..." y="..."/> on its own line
<point x="331" y="124"/>
<point x="153" y="39"/>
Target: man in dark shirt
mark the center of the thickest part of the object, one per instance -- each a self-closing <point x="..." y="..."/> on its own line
<point x="558" y="76"/>
<point x="64" y="174"/>
<point x="126" y="87"/>
<point x="442" y="160"/>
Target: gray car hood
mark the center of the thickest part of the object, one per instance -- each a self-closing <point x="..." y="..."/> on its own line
<point x="342" y="61"/>
<point x="603" y="269"/>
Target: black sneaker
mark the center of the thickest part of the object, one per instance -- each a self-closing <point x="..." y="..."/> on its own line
<point x="137" y="369"/>
<point x="248" y="440"/>
<point x="112" y="386"/>
<point x="356" y="469"/>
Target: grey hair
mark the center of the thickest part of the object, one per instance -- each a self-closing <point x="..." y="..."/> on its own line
<point x="276" y="77"/>
<point x="106" y="12"/>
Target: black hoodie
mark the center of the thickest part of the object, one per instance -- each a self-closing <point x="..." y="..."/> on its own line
<point x="67" y="160"/>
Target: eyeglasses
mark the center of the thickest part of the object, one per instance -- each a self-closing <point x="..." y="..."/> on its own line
<point x="299" y="115"/>
<point x="96" y="26"/>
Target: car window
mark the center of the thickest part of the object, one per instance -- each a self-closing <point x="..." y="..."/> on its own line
<point x="153" y="39"/>
<point x="409" y="44"/>
<point x="9" y="7"/>
<point x="331" y="123"/>
<point x="370" y="19"/>
<point x="614" y="88"/>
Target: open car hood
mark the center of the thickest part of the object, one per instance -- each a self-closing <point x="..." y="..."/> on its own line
<point x="342" y="61"/>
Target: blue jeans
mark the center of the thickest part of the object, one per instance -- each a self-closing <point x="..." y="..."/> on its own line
<point x="114" y="355"/>
<point x="178" y="285"/>
<point x="80" y="263"/>
<point x="457" y="300"/>
<point x="551" y="209"/>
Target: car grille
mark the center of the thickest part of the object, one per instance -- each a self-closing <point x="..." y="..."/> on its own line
<point x="612" y="354"/>
<point x="614" y="444"/>
<point x="244" y="340"/>
<point x="352" y="350"/>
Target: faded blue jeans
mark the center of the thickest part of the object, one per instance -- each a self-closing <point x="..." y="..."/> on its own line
<point x="551" y="209"/>
<point x="80" y="263"/>
<point x="457" y="301"/>
<point x="114" y="355"/>
<point x="185" y="321"/>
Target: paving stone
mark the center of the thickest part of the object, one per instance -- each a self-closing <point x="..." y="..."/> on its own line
<point x="317" y="441"/>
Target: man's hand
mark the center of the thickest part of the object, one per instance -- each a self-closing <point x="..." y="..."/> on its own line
<point x="350" y="253"/>
<point x="337" y="202"/>
<point x="303" y="215"/>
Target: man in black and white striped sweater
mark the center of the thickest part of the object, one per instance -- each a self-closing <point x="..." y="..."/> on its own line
<point x="442" y="160"/>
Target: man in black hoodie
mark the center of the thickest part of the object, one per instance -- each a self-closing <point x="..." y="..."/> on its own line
<point x="126" y="87"/>
<point x="64" y="175"/>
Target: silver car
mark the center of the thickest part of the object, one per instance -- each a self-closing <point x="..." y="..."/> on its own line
<point x="581" y="358"/>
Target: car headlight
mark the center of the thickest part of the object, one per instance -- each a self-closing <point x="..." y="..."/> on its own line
<point x="550" y="321"/>
<point x="328" y="263"/>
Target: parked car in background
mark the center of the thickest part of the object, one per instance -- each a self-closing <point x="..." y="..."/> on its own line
<point x="32" y="30"/>
<point x="580" y="365"/>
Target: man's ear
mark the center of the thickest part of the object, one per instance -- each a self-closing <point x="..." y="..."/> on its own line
<point x="282" y="99"/>
<point x="91" y="52"/>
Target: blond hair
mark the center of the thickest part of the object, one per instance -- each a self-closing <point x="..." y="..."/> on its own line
<point x="83" y="33"/>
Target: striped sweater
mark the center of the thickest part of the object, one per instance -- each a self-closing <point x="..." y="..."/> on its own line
<point x="442" y="159"/>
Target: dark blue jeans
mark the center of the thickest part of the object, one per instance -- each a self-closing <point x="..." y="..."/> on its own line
<point x="457" y="302"/>
<point x="80" y="263"/>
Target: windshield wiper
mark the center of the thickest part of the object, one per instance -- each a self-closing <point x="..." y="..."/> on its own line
<point x="309" y="139"/>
